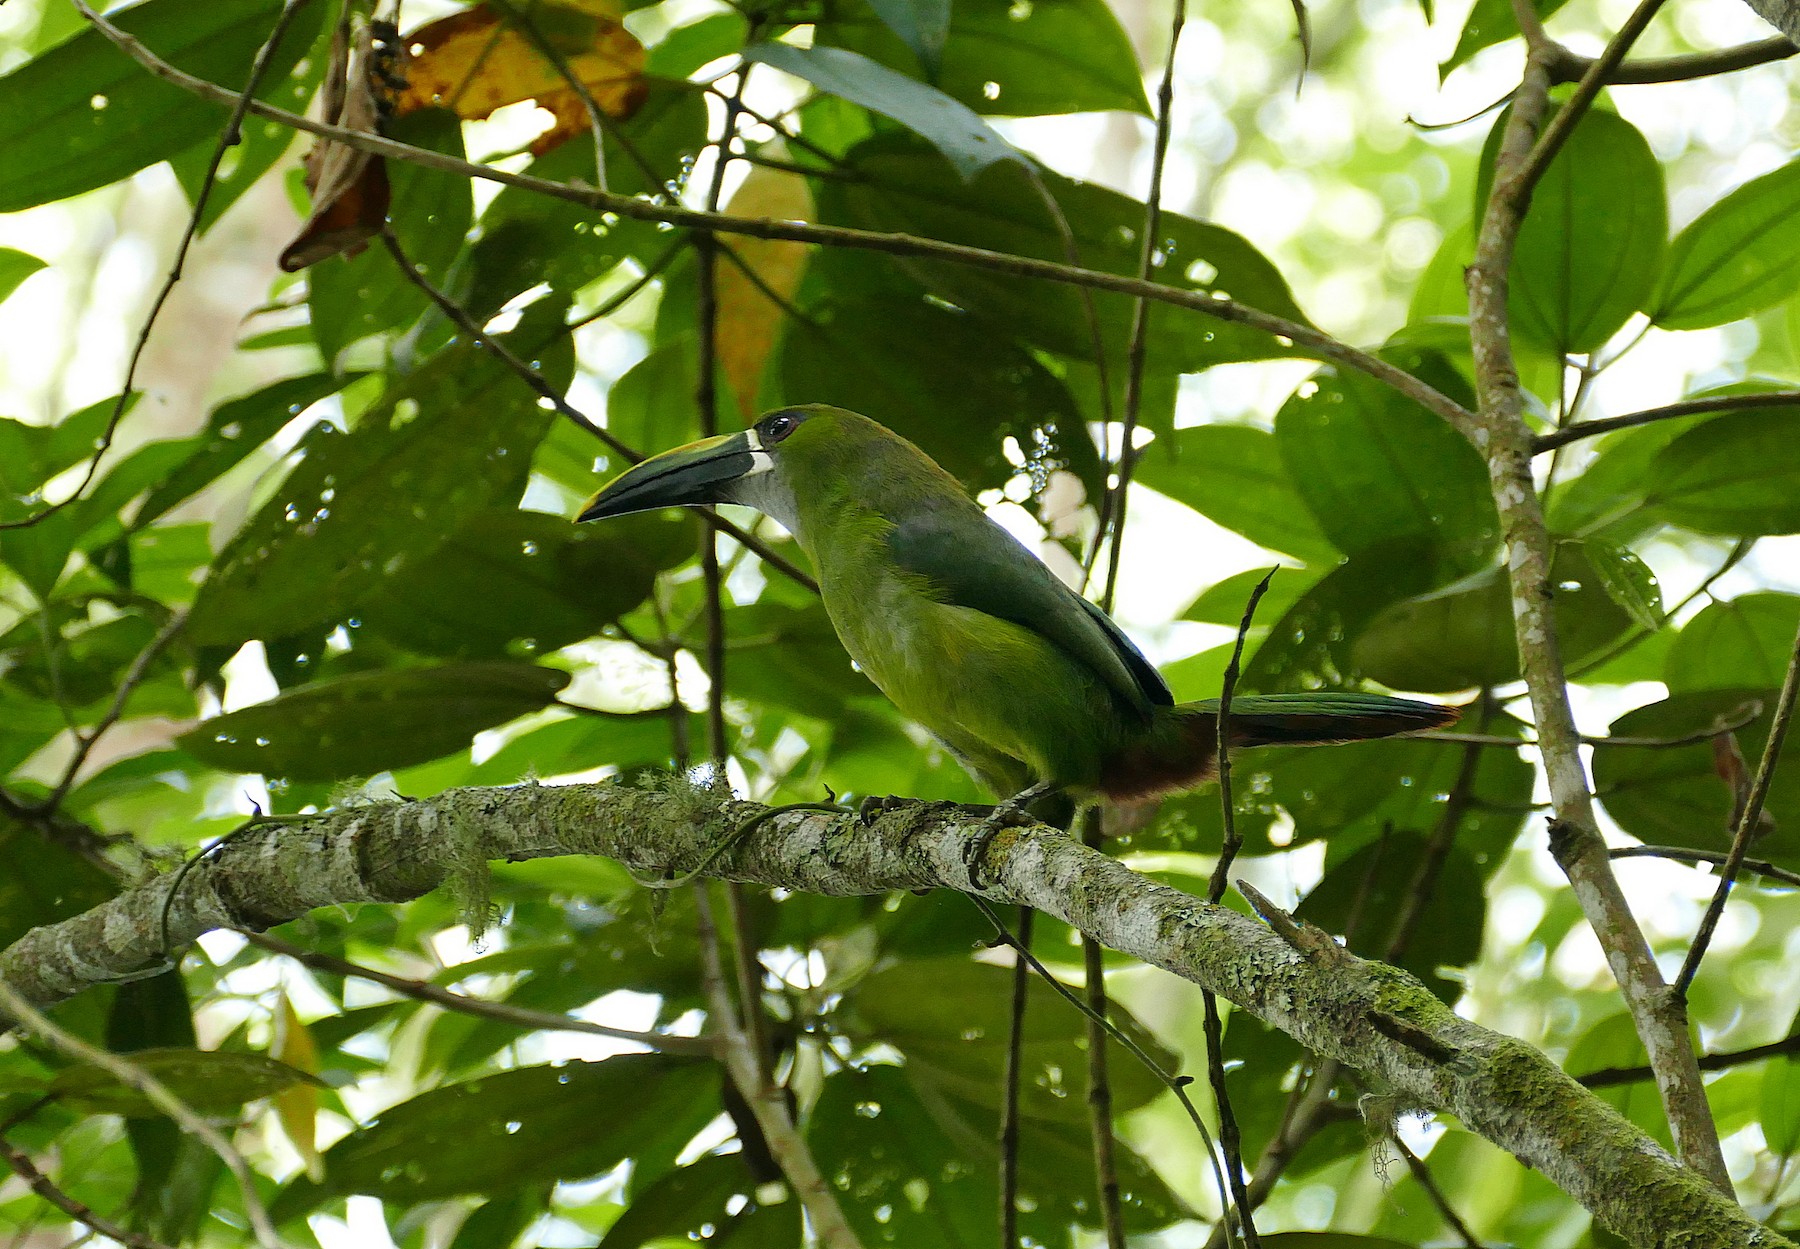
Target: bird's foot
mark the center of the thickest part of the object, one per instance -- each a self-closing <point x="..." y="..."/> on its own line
<point x="874" y="806"/>
<point x="1015" y="812"/>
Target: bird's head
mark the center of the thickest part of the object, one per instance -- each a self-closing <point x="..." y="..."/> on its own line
<point x="760" y="467"/>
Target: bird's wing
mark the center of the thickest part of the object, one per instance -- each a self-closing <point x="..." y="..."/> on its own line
<point x="970" y="561"/>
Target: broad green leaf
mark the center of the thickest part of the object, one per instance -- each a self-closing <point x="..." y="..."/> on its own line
<point x="1742" y="643"/>
<point x="350" y="297"/>
<point x="372" y="721"/>
<point x="581" y="744"/>
<point x="1052" y="56"/>
<point x="1462" y="636"/>
<point x="1235" y="476"/>
<point x="526" y="581"/>
<point x="44" y="882"/>
<point x="1606" y="500"/>
<point x="1592" y="242"/>
<point x="233" y="431"/>
<point x="524" y="1126"/>
<point x="966" y="141"/>
<point x="1490" y="22"/>
<point x="1673" y="795"/>
<point x="1372" y="889"/>
<point x="452" y="439"/>
<point x="211" y="1081"/>
<point x="1780" y="1115"/>
<point x="15" y="267"/>
<point x="1737" y="258"/>
<point x="84" y="114"/>
<point x="705" y="1201"/>
<point x="1309" y="646"/>
<point x="1736" y="474"/>
<point x="30" y="455"/>
<point x="922" y="25"/>
<point x="953" y="383"/>
<point x="686" y="49"/>
<point x="1224" y="602"/>
<point x="651" y="407"/>
<point x="1629" y="582"/>
<point x="1376" y="469"/>
<point x="501" y="1221"/>
<point x="904" y="187"/>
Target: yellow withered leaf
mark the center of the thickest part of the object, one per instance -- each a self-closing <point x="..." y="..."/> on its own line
<point x="297" y="1106"/>
<point x="748" y="319"/>
<point x="489" y="56"/>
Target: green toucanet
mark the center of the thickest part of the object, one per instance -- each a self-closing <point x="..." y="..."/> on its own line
<point x="970" y="634"/>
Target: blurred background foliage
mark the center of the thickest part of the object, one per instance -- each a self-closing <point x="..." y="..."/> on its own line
<point x="362" y="515"/>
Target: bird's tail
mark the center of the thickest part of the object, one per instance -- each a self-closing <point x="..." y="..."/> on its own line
<point x="1324" y="718"/>
<point x="1178" y="751"/>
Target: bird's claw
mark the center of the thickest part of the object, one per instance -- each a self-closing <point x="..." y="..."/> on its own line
<point x="1006" y="815"/>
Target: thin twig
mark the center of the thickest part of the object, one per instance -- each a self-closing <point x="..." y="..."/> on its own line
<point x="229" y="137"/>
<point x="134" y="676"/>
<point x="135" y="1077"/>
<point x="548" y="393"/>
<point x="1669" y="411"/>
<point x="1422" y="1174"/>
<point x="1609" y="1077"/>
<point x="1112" y="517"/>
<point x="1748" y="821"/>
<point x="1570" y="66"/>
<point x="1308" y="340"/>
<point x="768" y="1104"/>
<point x="45" y="1187"/>
<point x="1685" y="854"/>
<point x="1012" y="1071"/>
<point x="651" y="272"/>
<point x="500" y="1012"/>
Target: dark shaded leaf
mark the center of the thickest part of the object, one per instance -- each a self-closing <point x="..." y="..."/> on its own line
<point x="453" y="438"/>
<point x="1674" y="795"/>
<point x="952" y="383"/>
<point x="1743" y="643"/>
<point x="524" y="1126"/>
<point x="1628" y="582"/>
<point x="84" y="114"/>
<point x="210" y="1081"/>
<point x="1737" y="258"/>
<point x="905" y="187"/>
<point x="1592" y="243"/>
<point x="44" y="882"/>
<point x="1053" y="56"/>
<point x="1735" y="474"/>
<point x="692" y="1204"/>
<point x="527" y="581"/>
<point x="966" y="141"/>
<point x="1235" y="475"/>
<point x="372" y="721"/>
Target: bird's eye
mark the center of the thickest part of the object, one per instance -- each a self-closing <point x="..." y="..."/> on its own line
<point x="777" y="427"/>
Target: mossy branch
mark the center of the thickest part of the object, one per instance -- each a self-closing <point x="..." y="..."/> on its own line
<point x="1325" y="997"/>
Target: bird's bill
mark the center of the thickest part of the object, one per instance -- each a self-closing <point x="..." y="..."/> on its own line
<point x="690" y="474"/>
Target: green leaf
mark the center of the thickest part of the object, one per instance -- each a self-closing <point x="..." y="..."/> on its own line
<point x="696" y="1203"/>
<point x="525" y="581"/>
<point x="1234" y="475"/>
<point x="1743" y="643"/>
<point x="350" y="297"/>
<point x="923" y="25"/>
<point x="1673" y="795"/>
<point x="525" y="1126"/>
<point x="953" y="383"/>
<point x="1780" y="1115"/>
<point x="1310" y="645"/>
<point x="1224" y="602"/>
<point x="31" y="455"/>
<point x="686" y="49"/>
<point x="1592" y="243"/>
<point x="904" y="187"/>
<point x="1737" y="258"/>
<point x="580" y="744"/>
<point x="1490" y="22"/>
<point x="966" y="141"/>
<point x="44" y="881"/>
<point x="234" y="429"/>
<point x="1376" y="469"/>
<point x="372" y="721"/>
<point x="1049" y="57"/>
<point x="1462" y="636"/>
<point x="1606" y="500"/>
<point x="84" y="114"/>
<point x="1736" y="474"/>
<point x="15" y="267"/>
<point x="211" y="1081"/>
<point x="1629" y="582"/>
<point x="450" y="440"/>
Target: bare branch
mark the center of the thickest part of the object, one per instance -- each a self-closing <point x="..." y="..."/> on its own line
<point x="1682" y="854"/>
<point x="1570" y="66"/>
<point x="43" y="1186"/>
<point x="1687" y="407"/>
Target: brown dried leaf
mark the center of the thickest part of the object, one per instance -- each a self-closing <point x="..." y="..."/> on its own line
<point x="484" y="58"/>
<point x="748" y="320"/>
<point x="349" y="187"/>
